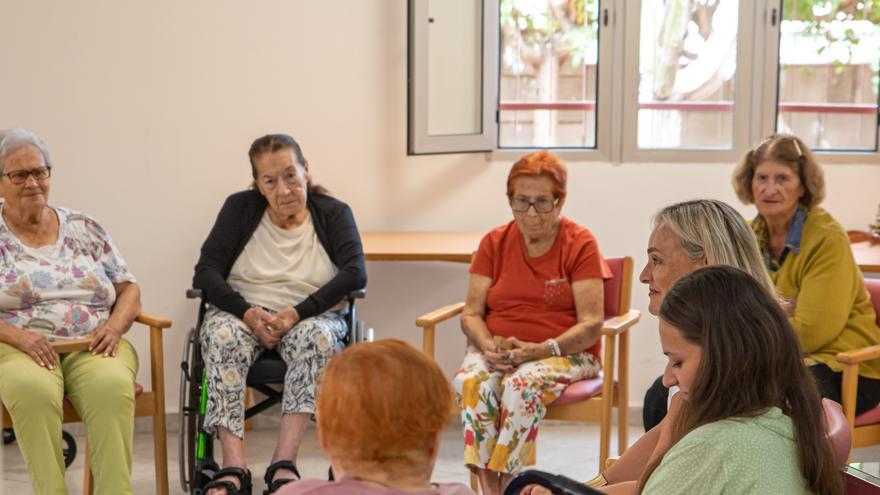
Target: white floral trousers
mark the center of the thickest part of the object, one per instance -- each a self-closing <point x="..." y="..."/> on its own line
<point x="229" y="348"/>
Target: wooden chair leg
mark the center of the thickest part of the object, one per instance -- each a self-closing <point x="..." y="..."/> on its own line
<point x="607" y="401"/>
<point x="248" y="402"/>
<point x="623" y="393"/>
<point x="160" y="453"/>
<point x="475" y="483"/>
<point x="160" y="450"/>
<point x="88" y="479"/>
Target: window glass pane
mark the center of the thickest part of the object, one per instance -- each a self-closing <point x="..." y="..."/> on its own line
<point x="455" y="62"/>
<point x="829" y="53"/>
<point x="548" y="73"/>
<point x="687" y="64"/>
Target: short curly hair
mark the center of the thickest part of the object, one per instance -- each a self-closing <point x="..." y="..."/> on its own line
<point x="540" y="164"/>
<point x="788" y="150"/>
<point x="382" y="405"/>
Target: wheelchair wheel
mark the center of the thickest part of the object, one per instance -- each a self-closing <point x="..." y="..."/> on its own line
<point x="69" y="448"/>
<point x="190" y="391"/>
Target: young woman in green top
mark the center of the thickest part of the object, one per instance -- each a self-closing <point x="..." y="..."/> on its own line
<point x="750" y="417"/>
<point x="808" y="257"/>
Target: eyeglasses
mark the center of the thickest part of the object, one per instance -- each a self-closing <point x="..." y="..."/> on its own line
<point x="542" y="205"/>
<point x="19" y="177"/>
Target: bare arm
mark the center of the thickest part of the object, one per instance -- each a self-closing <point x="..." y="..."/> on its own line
<point x="589" y="302"/>
<point x="125" y="310"/>
<point x="473" y="324"/>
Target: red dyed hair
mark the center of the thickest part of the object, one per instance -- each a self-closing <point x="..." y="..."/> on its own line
<point x="382" y="403"/>
<point x="540" y="164"/>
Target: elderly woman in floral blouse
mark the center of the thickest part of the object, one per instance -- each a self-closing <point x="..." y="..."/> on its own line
<point x="62" y="277"/>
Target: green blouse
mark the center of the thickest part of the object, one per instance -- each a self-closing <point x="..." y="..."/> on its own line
<point x="733" y="456"/>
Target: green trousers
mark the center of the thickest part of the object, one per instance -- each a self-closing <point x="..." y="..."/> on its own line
<point x="101" y="389"/>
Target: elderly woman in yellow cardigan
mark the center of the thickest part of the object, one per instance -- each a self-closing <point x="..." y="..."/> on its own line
<point x="808" y="256"/>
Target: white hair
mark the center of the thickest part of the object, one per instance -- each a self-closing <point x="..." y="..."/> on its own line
<point x="16" y="138"/>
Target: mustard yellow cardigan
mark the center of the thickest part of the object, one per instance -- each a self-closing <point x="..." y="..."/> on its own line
<point x="833" y="312"/>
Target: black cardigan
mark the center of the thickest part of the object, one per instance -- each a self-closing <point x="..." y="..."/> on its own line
<point x="236" y="223"/>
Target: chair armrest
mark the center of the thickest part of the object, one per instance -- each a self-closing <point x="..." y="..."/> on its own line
<point x="153" y="321"/>
<point x="622" y="323"/>
<point x="439" y="315"/>
<point x="858" y="355"/>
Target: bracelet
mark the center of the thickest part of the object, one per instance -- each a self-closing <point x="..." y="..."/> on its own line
<point x="597" y="482"/>
<point x="554" y="347"/>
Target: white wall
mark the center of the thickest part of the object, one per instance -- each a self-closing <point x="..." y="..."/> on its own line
<point x="149" y="107"/>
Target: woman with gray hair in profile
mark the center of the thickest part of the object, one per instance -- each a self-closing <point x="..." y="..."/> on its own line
<point x="62" y="278"/>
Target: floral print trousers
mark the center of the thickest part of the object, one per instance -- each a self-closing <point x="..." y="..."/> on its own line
<point x="500" y="412"/>
<point x="229" y="348"/>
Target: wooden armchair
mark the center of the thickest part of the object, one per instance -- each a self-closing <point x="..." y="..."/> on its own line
<point x="866" y="427"/>
<point x="147" y="403"/>
<point x="592" y="399"/>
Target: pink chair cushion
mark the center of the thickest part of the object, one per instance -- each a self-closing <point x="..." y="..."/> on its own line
<point x="869" y="418"/>
<point x="837" y="431"/>
<point x="612" y="287"/>
<point x="580" y="390"/>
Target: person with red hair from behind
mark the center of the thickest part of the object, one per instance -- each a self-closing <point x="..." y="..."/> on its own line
<point x="381" y="410"/>
<point x="533" y="316"/>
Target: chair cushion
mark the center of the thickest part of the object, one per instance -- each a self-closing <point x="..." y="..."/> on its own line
<point x="869" y="418"/>
<point x="138" y="389"/>
<point x="269" y="368"/>
<point x="580" y="390"/>
<point x="612" y="287"/>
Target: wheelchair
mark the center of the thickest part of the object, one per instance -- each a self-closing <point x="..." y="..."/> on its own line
<point x="195" y="447"/>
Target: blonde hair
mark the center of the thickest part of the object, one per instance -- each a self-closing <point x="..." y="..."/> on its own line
<point x="788" y="150"/>
<point x="711" y="228"/>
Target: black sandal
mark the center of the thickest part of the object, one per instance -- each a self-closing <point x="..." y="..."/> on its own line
<point x="244" y="480"/>
<point x="273" y="485"/>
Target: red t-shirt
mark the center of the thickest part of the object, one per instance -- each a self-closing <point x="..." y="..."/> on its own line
<point x="531" y="298"/>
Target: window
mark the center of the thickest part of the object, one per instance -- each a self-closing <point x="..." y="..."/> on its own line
<point x="647" y="80"/>
<point x="829" y="54"/>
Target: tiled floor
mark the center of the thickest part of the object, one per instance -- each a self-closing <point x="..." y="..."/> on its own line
<point x="566" y="448"/>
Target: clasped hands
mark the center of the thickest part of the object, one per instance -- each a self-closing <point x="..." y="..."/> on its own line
<point x="507" y="354"/>
<point x="269" y="328"/>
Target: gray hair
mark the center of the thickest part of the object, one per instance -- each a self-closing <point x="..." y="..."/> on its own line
<point x="711" y="228"/>
<point x="16" y="138"/>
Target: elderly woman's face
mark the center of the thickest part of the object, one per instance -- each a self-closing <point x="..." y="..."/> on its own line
<point x="537" y="190"/>
<point x="667" y="262"/>
<point x="282" y="181"/>
<point x="32" y="193"/>
<point x="777" y="189"/>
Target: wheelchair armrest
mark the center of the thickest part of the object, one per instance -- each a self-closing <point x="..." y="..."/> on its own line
<point x="556" y="483"/>
<point x="194" y="293"/>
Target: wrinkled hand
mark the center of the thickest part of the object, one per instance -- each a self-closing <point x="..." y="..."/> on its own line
<point x="37" y="347"/>
<point x="522" y="352"/>
<point x="497" y="358"/>
<point x="283" y="322"/>
<point x="106" y="341"/>
<point x="535" y="490"/>
<point x="258" y="319"/>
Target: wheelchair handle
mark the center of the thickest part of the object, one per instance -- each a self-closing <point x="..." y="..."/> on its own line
<point x="194" y="293"/>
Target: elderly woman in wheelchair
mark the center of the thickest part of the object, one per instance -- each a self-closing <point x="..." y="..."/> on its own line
<point x="63" y="279"/>
<point x="275" y="271"/>
<point x="533" y="315"/>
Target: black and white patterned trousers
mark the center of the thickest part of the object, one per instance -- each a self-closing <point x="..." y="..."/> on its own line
<point x="229" y="348"/>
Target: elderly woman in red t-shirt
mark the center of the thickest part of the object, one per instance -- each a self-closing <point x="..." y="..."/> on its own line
<point x="533" y="316"/>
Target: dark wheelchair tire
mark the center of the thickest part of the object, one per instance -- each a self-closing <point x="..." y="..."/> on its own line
<point x="69" y="448"/>
<point x="8" y="436"/>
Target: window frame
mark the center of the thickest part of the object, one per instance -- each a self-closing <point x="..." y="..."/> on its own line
<point x="755" y="93"/>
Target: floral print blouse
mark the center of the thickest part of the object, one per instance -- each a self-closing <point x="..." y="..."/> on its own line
<point x="63" y="289"/>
